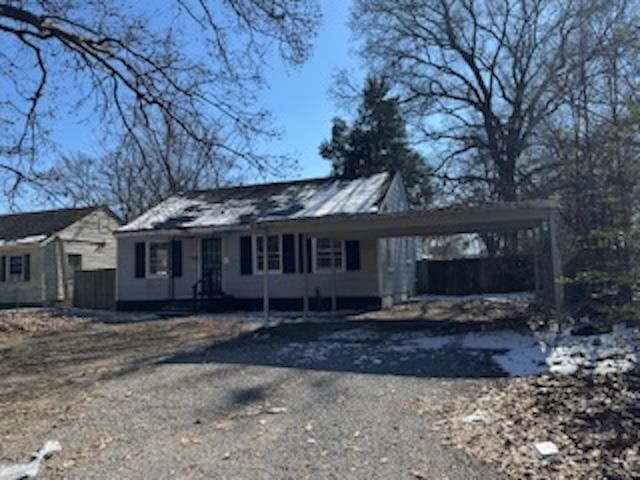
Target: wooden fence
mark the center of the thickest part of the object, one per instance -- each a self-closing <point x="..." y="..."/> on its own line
<point x="467" y="276"/>
<point x="95" y="289"/>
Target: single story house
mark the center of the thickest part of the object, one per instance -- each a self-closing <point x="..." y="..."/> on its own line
<point x="219" y="245"/>
<point x="40" y="251"/>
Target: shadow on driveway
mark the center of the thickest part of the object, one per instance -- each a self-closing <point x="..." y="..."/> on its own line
<point x="369" y="347"/>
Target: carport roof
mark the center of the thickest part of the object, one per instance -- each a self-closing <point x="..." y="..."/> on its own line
<point x="500" y="217"/>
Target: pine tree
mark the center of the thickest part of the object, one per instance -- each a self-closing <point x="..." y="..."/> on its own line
<point x="377" y="141"/>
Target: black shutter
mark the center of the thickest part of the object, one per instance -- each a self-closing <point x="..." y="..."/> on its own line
<point x="176" y="258"/>
<point x="352" y="248"/>
<point x="246" y="256"/>
<point x="140" y="259"/>
<point x="26" y="275"/>
<point x="3" y="269"/>
<point x="300" y="254"/>
<point x="288" y="253"/>
<point x="309" y="256"/>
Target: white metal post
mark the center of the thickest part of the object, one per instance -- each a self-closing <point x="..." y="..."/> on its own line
<point x="265" y="277"/>
<point x="305" y="276"/>
<point x="334" y="303"/>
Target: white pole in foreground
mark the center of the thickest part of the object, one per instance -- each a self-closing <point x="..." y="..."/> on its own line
<point x="334" y="287"/>
<point x="305" y="276"/>
<point x="265" y="277"/>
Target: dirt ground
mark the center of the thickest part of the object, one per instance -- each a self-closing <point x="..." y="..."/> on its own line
<point x="55" y="354"/>
<point x="197" y="398"/>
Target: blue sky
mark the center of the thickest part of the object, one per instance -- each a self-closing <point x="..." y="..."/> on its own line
<point x="299" y="98"/>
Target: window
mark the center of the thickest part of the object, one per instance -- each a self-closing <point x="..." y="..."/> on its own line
<point x="328" y="254"/>
<point x="74" y="261"/>
<point x="274" y="253"/>
<point x="16" y="268"/>
<point x="158" y="259"/>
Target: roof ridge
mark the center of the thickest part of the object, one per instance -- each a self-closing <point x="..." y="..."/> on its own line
<point x="279" y="183"/>
<point x="52" y="210"/>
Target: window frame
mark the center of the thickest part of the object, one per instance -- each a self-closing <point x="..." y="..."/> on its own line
<point x="343" y="256"/>
<point x="15" y="277"/>
<point x="258" y="271"/>
<point x="151" y="274"/>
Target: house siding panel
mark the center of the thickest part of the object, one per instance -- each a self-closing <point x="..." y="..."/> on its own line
<point x="397" y="256"/>
<point x="24" y="292"/>
<point x="92" y="238"/>
<point x="360" y="283"/>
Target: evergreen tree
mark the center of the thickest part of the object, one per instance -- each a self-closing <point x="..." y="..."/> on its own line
<point x="377" y="141"/>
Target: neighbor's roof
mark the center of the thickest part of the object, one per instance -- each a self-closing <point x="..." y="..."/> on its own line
<point x="233" y="206"/>
<point x="31" y="227"/>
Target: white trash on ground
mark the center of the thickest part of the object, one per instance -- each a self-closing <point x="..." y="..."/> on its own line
<point x="478" y="416"/>
<point x="546" y="450"/>
<point x="29" y="469"/>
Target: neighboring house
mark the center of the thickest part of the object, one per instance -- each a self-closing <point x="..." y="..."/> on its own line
<point x="219" y="242"/>
<point x="40" y="251"/>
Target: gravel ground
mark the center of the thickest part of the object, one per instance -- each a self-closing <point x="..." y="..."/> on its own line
<point x="292" y="401"/>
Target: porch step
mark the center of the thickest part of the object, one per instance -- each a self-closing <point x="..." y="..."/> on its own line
<point x="217" y="303"/>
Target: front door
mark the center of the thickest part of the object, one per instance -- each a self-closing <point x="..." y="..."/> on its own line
<point x="212" y="265"/>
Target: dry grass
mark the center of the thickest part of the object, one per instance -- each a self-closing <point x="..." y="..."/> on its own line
<point x="42" y="372"/>
<point x="475" y="313"/>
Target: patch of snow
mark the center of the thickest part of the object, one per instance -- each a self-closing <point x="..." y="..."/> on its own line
<point x="310" y="352"/>
<point x="22" y="241"/>
<point x="605" y="353"/>
<point x="412" y="345"/>
<point x="521" y="355"/>
<point x="489" y="297"/>
<point x="353" y="335"/>
<point x="226" y="208"/>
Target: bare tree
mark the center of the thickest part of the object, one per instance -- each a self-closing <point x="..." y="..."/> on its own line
<point x="594" y="139"/>
<point x="124" y="178"/>
<point x="480" y="77"/>
<point x="195" y="62"/>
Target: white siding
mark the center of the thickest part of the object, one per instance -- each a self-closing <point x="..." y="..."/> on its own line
<point x="16" y="293"/>
<point x="92" y="238"/>
<point x="361" y="283"/>
<point x="397" y="256"/>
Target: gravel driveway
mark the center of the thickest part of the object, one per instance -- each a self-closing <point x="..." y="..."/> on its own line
<point x="330" y="401"/>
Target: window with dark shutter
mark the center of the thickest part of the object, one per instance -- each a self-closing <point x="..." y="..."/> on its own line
<point x="3" y="269"/>
<point x="352" y="248"/>
<point x="288" y="253"/>
<point x="176" y="258"/>
<point x="140" y="250"/>
<point x="26" y="275"/>
<point x="246" y="256"/>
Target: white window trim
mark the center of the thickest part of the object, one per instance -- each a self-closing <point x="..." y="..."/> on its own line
<point x="342" y="268"/>
<point x="266" y="254"/>
<point x="148" y="259"/>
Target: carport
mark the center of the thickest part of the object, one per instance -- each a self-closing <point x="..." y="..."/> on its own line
<point x="538" y="218"/>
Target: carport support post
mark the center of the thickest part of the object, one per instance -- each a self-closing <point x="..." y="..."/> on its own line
<point x="535" y="240"/>
<point x="265" y="277"/>
<point x="334" y="302"/>
<point x="556" y="264"/>
<point x="305" y="277"/>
